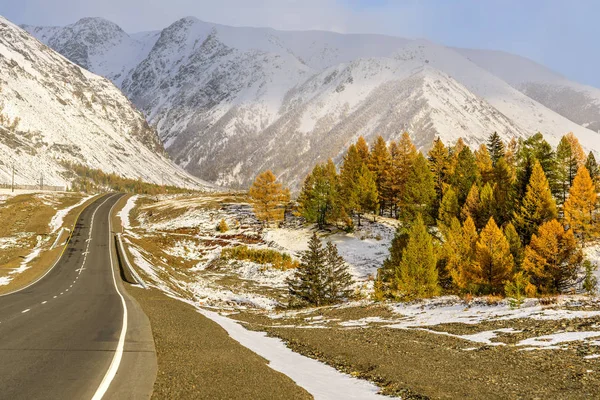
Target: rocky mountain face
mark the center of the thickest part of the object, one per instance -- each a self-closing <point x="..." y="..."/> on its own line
<point x="229" y="102"/>
<point x="53" y="111"/>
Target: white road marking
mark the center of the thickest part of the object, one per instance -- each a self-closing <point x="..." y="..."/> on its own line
<point x="61" y="293"/>
<point x="24" y="311"/>
<point x="55" y="297"/>
<point x="44" y="302"/>
<point x="114" y="365"/>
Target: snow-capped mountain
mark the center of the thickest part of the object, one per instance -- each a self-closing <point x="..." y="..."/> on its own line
<point x="51" y="110"/>
<point x="229" y="101"/>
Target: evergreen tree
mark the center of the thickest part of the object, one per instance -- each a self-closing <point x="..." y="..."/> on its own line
<point x="418" y="194"/>
<point x="552" y="258"/>
<point x="590" y="282"/>
<point x="593" y="169"/>
<point x="472" y="207"/>
<point x="386" y="275"/>
<point x="537" y="206"/>
<point x="309" y="282"/>
<point x="487" y="205"/>
<point x="514" y="241"/>
<point x="322" y="276"/>
<point x="403" y="155"/>
<point x="439" y="161"/>
<point x="458" y="251"/>
<point x="484" y="163"/>
<point x="268" y="198"/>
<point x="319" y="199"/>
<point x="365" y="193"/>
<point x="493" y="262"/>
<point x="465" y="173"/>
<point x="570" y="157"/>
<point x="449" y="208"/>
<point x="503" y="192"/>
<point x="529" y="150"/>
<point x="349" y="173"/>
<point x="581" y="206"/>
<point x="495" y="147"/>
<point x="339" y="281"/>
<point x="363" y="149"/>
<point x="417" y="273"/>
<point x="380" y="164"/>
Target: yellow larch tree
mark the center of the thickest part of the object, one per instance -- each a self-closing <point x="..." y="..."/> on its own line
<point x="581" y="205"/>
<point x="268" y="198"/>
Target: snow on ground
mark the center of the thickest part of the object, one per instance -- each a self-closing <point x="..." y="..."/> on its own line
<point x="364" y="250"/>
<point x="57" y="220"/>
<point x="484" y="337"/>
<point x="124" y="213"/>
<point x="451" y="309"/>
<point x="551" y="341"/>
<point x="320" y="380"/>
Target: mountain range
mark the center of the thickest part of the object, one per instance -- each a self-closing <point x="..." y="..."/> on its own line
<point x="53" y="112"/>
<point x="228" y="102"/>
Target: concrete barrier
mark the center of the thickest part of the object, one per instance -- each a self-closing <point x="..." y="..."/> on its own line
<point x="127" y="271"/>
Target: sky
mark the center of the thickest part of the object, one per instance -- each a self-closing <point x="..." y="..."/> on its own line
<point x="560" y="34"/>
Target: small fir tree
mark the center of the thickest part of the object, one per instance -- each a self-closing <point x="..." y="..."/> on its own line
<point x="495" y="148"/>
<point x="518" y="288"/>
<point x="339" y="281"/>
<point x="590" y="282"/>
<point x="465" y="173"/>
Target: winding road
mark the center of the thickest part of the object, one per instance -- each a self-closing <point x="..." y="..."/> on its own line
<point x="76" y="333"/>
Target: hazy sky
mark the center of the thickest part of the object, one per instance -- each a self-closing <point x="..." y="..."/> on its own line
<point x="563" y="35"/>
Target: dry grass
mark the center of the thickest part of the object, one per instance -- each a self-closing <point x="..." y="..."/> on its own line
<point x="27" y="217"/>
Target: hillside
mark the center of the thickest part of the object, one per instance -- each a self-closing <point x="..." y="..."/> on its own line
<point x="54" y="111"/>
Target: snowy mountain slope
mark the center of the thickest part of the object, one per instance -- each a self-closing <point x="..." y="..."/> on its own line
<point x="577" y="102"/>
<point x="52" y="110"/>
<point x="229" y="101"/>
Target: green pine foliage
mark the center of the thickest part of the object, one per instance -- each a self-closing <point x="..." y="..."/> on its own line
<point x="321" y="278"/>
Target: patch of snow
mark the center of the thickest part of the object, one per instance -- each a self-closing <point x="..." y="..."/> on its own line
<point x="558" y="338"/>
<point x="124" y="213"/>
<point x="57" y="220"/>
<point x="320" y="380"/>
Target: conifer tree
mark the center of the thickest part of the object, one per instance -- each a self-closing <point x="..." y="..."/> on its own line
<point x="339" y="281"/>
<point x="552" y="258"/>
<point x="570" y="157"/>
<point x="309" y="282"/>
<point x="268" y="198"/>
<point x="403" y="155"/>
<point x="510" y="156"/>
<point x="581" y="206"/>
<point x="319" y="199"/>
<point x="394" y="178"/>
<point x="449" y="208"/>
<point x="418" y="193"/>
<point x="365" y="193"/>
<point x="380" y="164"/>
<point x="590" y="282"/>
<point x="458" y="251"/>
<point x="439" y="161"/>
<point x="495" y="147"/>
<point x="529" y="150"/>
<point x="493" y="262"/>
<point x="417" y="273"/>
<point x="503" y="192"/>
<point x="349" y="173"/>
<point x="537" y="206"/>
<point x="386" y="275"/>
<point x="487" y="205"/>
<point x="465" y="173"/>
<point x="363" y="149"/>
<point x="514" y="241"/>
<point x="472" y="207"/>
<point x="322" y="276"/>
<point x="484" y="163"/>
<point x="593" y="169"/>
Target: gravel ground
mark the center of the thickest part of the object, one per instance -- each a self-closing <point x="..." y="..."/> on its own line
<point x="198" y="360"/>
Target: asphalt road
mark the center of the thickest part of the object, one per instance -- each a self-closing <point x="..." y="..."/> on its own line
<point x="76" y="333"/>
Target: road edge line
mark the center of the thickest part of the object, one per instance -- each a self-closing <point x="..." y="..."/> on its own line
<point x="116" y="361"/>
